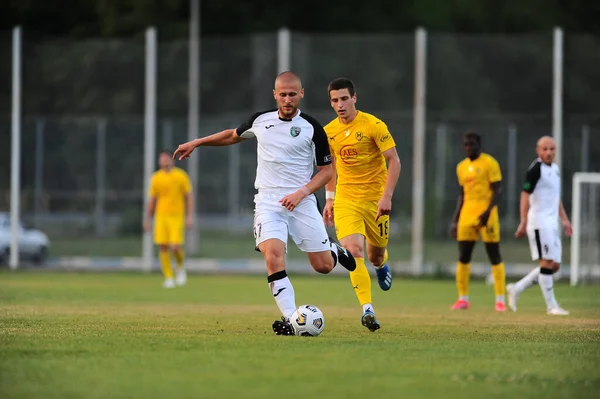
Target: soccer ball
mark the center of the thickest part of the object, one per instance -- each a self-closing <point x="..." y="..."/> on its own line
<point x="308" y="321"/>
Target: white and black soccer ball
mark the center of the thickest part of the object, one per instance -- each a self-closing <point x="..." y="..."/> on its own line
<point x="308" y="321"/>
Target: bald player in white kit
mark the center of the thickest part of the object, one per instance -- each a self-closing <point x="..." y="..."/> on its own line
<point x="289" y="143"/>
<point x="541" y="209"/>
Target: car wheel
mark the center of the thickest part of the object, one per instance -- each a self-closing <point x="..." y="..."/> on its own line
<point x="40" y="257"/>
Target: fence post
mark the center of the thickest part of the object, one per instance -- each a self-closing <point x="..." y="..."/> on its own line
<point x="149" y="137"/>
<point x="194" y="114"/>
<point x="418" y="189"/>
<point x="15" y="168"/>
<point x="284" y="50"/>
<point x="557" y="94"/>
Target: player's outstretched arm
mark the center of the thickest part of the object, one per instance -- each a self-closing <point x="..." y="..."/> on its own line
<point x="459" y="204"/>
<point x="523" y="210"/>
<point x="223" y="138"/>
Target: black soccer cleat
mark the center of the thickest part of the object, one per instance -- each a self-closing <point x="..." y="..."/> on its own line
<point x="283" y="327"/>
<point x="370" y="321"/>
<point x="344" y="257"/>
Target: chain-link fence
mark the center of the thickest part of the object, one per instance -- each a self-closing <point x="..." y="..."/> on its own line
<point x="83" y="130"/>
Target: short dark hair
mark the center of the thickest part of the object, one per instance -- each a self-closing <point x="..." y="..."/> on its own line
<point x="165" y="151"/>
<point x="473" y="136"/>
<point x="340" y="84"/>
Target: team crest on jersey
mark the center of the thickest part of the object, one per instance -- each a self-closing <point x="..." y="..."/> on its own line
<point x="295" y="131"/>
<point x="359" y="136"/>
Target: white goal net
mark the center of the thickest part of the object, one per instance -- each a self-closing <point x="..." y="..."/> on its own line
<point x="585" y="243"/>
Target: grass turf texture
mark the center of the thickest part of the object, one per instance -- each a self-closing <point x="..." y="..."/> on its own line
<point x="220" y="245"/>
<point x="123" y="336"/>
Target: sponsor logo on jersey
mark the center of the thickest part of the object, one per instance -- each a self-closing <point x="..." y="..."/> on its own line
<point x="349" y="154"/>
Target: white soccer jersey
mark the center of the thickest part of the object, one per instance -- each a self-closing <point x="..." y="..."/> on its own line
<point x="542" y="182"/>
<point x="287" y="149"/>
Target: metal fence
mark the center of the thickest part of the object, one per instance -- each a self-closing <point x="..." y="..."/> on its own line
<point x="83" y="104"/>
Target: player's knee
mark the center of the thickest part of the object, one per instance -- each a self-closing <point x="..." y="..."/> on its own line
<point x="465" y="256"/>
<point x="323" y="265"/>
<point x="356" y="250"/>
<point x="163" y="248"/>
<point x="555" y="267"/>
<point x="275" y="261"/>
<point x="493" y="252"/>
<point x="465" y="251"/>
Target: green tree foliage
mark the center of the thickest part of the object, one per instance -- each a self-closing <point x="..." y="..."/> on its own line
<point x="126" y="17"/>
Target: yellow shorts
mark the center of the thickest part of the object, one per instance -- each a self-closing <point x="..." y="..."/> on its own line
<point x="468" y="229"/>
<point x="169" y="230"/>
<point x="358" y="217"/>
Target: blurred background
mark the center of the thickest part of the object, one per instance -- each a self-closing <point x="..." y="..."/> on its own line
<point x="489" y="67"/>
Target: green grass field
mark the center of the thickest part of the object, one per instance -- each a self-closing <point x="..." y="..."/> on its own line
<point x="220" y="245"/>
<point x="122" y="336"/>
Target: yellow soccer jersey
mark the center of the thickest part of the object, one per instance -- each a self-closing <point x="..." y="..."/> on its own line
<point x="359" y="163"/>
<point x="476" y="176"/>
<point x="170" y="188"/>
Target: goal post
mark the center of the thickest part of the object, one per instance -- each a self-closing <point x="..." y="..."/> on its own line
<point x="585" y="211"/>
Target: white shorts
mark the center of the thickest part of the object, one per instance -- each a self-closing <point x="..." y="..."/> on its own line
<point x="545" y="244"/>
<point x="304" y="224"/>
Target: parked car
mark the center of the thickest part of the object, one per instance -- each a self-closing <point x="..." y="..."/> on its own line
<point x="33" y="244"/>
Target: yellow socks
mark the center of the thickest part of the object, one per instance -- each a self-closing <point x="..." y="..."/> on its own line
<point x="499" y="281"/>
<point x="165" y="264"/>
<point x="361" y="281"/>
<point x="385" y="258"/>
<point x="463" y="273"/>
<point x="179" y="256"/>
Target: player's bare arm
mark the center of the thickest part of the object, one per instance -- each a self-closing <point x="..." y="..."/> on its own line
<point x="319" y="180"/>
<point x="385" y="203"/>
<point x="189" y="200"/>
<point x="223" y="138"/>
<point x="149" y="213"/>
<point x="564" y="220"/>
<point x="496" y="188"/>
<point x="523" y="210"/>
<point x="330" y="194"/>
<point x="459" y="204"/>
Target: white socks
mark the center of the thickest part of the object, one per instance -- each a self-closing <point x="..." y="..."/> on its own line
<point x="283" y="293"/>
<point x="547" y="286"/>
<point x="529" y="280"/>
<point x="367" y="307"/>
<point x="546" y="282"/>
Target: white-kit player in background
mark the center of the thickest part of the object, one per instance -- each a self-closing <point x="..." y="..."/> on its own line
<point x="288" y="144"/>
<point x="541" y="209"/>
